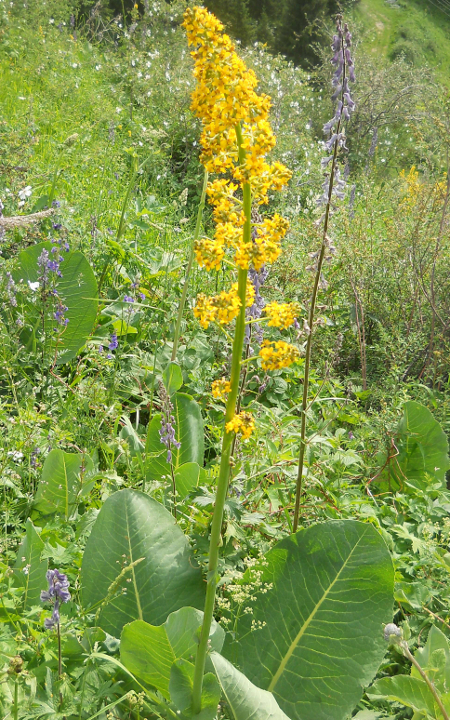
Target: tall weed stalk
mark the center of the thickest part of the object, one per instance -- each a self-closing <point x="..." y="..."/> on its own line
<point x="332" y="187"/>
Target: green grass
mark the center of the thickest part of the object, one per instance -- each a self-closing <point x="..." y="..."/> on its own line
<point x="417" y="29"/>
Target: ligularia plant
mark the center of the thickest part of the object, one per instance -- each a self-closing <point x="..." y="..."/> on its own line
<point x="235" y="140"/>
<point x="306" y="633"/>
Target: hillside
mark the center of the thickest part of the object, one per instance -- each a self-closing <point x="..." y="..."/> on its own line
<point x="224" y="366"/>
<point x="417" y="29"/>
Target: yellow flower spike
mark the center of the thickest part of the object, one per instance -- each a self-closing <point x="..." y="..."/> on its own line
<point x="277" y="355"/>
<point x="282" y="315"/>
<point x="243" y="422"/>
<point x="235" y="139"/>
<point x="221" y="388"/>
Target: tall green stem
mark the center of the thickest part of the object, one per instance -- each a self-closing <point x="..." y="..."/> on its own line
<point x="176" y="338"/>
<point x="224" y="471"/>
<point x="134" y="175"/>
<point x="312" y="312"/>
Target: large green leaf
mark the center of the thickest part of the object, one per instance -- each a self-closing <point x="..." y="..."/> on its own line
<point x="422" y="449"/>
<point x="63" y="482"/>
<point x="245" y="700"/>
<point x="138" y="558"/>
<point x="324" y="594"/>
<point x="30" y="571"/>
<point x="188" y="432"/>
<point x="149" y="652"/>
<point x="77" y="288"/>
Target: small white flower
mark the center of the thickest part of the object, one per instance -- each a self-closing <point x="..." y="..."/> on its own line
<point x="118" y="110"/>
<point x="74" y="65"/>
<point x="16" y="455"/>
<point x="98" y="67"/>
<point x="25" y="192"/>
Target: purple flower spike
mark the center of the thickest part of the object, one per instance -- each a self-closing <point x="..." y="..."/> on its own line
<point x="114" y="343"/>
<point x="58" y="592"/>
<point x="167" y="430"/>
<point x="344" y="74"/>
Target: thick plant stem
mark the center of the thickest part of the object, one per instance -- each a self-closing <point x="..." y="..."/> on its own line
<point x="176" y="338"/>
<point x="312" y="312"/>
<point x="224" y="471"/>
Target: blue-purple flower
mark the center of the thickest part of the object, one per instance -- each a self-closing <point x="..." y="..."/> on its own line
<point x="257" y="278"/>
<point x="167" y="430"/>
<point x="57" y="593"/>
<point x="11" y="290"/>
<point x="114" y="343"/>
<point x="344" y="74"/>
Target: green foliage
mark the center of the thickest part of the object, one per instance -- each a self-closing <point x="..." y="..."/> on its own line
<point x="321" y="597"/>
<point x="188" y="432"/>
<point x="422" y="449"/>
<point x="96" y="116"/>
<point x="64" y="482"/>
<point x="244" y="699"/>
<point x="137" y="564"/>
<point x="150" y="652"/>
<point x="77" y="290"/>
<point x="30" y="570"/>
<point x="413" y="691"/>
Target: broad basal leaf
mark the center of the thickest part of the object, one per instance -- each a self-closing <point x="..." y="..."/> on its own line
<point x="138" y="560"/>
<point x="77" y="289"/>
<point x="30" y="571"/>
<point x="245" y="700"/>
<point x="149" y="652"/>
<point x="422" y="449"/>
<point x="63" y="483"/>
<point x="325" y="593"/>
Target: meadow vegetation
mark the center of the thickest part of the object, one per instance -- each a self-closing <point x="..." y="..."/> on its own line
<point x="224" y="367"/>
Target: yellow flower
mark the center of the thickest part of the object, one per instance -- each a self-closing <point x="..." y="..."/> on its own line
<point x="282" y="315"/>
<point x="209" y="253"/>
<point x="243" y="423"/>
<point x="266" y="246"/>
<point x="277" y="355"/>
<point x="222" y="308"/>
<point x="221" y="388"/>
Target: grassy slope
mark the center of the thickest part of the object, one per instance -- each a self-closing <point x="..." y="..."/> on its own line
<point x="416" y="26"/>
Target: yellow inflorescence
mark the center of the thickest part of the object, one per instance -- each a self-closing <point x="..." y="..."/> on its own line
<point x="224" y="98"/>
<point x="221" y="388"/>
<point x="282" y="315"/>
<point x="221" y="308"/>
<point x="243" y="423"/>
<point x="277" y="355"/>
